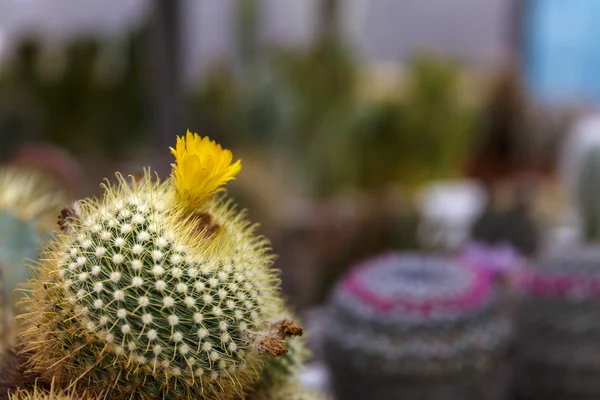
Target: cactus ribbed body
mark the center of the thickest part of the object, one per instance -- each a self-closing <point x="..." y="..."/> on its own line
<point x="414" y="325"/>
<point x="162" y="303"/>
<point x="559" y="326"/>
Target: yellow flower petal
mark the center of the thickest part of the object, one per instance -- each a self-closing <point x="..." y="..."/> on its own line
<point x="201" y="168"/>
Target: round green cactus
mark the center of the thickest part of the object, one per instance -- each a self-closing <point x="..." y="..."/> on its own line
<point x="29" y="204"/>
<point x="159" y="300"/>
<point x="160" y="289"/>
<point x="19" y="240"/>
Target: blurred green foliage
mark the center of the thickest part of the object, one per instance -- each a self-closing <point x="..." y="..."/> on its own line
<point x="89" y="96"/>
<point x="86" y="95"/>
<point x="307" y="104"/>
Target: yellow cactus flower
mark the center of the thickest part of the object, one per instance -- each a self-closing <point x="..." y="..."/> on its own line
<point x="201" y="168"/>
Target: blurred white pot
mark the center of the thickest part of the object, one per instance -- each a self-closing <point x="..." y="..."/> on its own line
<point x="448" y="210"/>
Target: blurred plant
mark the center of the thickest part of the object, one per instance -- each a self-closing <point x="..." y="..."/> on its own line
<point x="320" y="85"/>
<point x="213" y="103"/>
<point x="29" y="204"/>
<point x="502" y="146"/>
<point x="425" y="134"/>
<point x="119" y="81"/>
<point x="416" y="326"/>
<point x="438" y="131"/>
<point x="587" y="195"/>
<point x="81" y="81"/>
<point x="513" y="224"/>
<point x="247" y="31"/>
<point x="559" y="323"/>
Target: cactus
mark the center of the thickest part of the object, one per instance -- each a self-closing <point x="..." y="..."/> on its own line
<point x="29" y="204"/>
<point x="40" y="395"/>
<point x="159" y="289"/>
<point x="37" y="393"/>
<point x="559" y="326"/>
<point x="437" y="131"/>
<point x="416" y="326"/>
<point x="587" y="196"/>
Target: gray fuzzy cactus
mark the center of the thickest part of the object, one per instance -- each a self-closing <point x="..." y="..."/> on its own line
<point x="559" y="327"/>
<point x="416" y="326"/>
<point x="588" y="194"/>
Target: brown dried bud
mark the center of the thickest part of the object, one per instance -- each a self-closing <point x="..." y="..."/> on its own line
<point x="272" y="341"/>
<point x="287" y="328"/>
<point x="270" y="344"/>
<point x="67" y="215"/>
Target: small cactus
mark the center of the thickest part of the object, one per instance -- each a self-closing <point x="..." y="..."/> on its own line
<point x="416" y="326"/>
<point x="159" y="289"/>
<point x="559" y="326"/>
<point x="29" y="204"/>
<point x="587" y="195"/>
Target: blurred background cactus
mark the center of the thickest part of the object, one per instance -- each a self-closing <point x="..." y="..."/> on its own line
<point x="439" y="129"/>
<point x="73" y="84"/>
<point x="30" y="202"/>
<point x="558" y="326"/>
<point x="417" y="326"/>
<point x="588" y="199"/>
